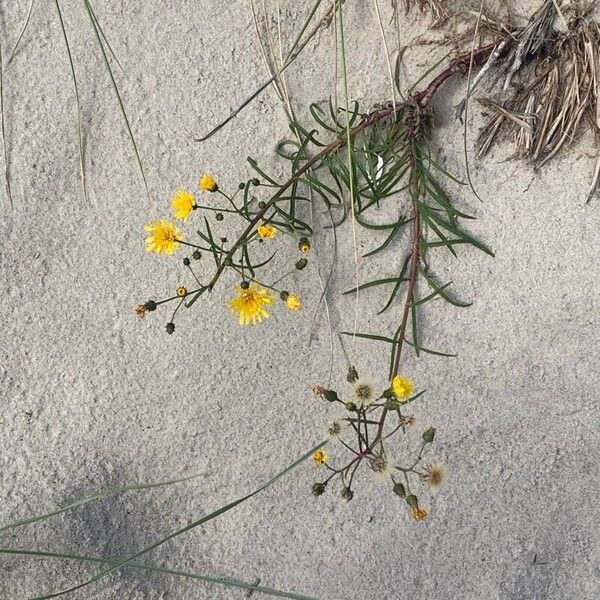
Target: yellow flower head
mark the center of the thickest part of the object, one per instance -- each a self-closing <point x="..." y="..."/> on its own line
<point x="208" y="183"/>
<point x="266" y="231"/>
<point x="304" y="245"/>
<point x="419" y="513"/>
<point x="402" y="387"/>
<point x="293" y="302"/>
<point x="250" y="304"/>
<point x="163" y="237"/>
<point x="183" y="204"/>
<point x="181" y="292"/>
<point x="320" y="457"/>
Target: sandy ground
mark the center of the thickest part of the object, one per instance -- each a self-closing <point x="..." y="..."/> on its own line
<point x="92" y="397"/>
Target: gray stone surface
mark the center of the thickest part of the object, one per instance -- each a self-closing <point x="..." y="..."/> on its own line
<point x="92" y="397"/>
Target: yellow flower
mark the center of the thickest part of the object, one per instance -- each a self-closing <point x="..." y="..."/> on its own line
<point x="165" y="237"/>
<point x="183" y="204"/>
<point x="181" y="292"/>
<point x="304" y="245"/>
<point x="208" y="183"/>
<point x="320" y="457"/>
<point x="402" y="387"/>
<point x="250" y="304"/>
<point x="266" y="231"/>
<point x="293" y="302"/>
<point x="419" y="513"/>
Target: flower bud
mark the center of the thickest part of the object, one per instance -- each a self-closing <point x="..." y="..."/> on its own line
<point x="284" y="295"/>
<point x="150" y="305"/>
<point x="242" y="185"/>
<point x="219" y="216"/>
<point x="352" y="374"/>
<point x="304" y="245"/>
<point x="392" y="404"/>
<point x="331" y="395"/>
<point x="412" y="501"/>
<point x="255" y="182"/>
<point x="350" y="406"/>
<point x="347" y="494"/>
<point x="399" y="490"/>
<point x="429" y="435"/>
<point x="301" y="264"/>
<point x="186" y="262"/>
<point x="170" y="328"/>
<point x="318" y="489"/>
<point x="245" y="285"/>
<point x="196" y="255"/>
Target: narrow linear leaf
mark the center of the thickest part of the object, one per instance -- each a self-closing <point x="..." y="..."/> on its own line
<point x="228" y="581"/>
<point x="118" y="94"/>
<point x="126" y="561"/>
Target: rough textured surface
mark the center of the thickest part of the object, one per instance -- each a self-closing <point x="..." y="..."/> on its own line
<point x="92" y="397"/>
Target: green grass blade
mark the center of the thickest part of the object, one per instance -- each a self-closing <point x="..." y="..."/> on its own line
<point x="227" y="507"/>
<point x="27" y="19"/>
<point x="228" y="581"/>
<point x="112" y="52"/>
<point x="78" y="101"/>
<point x="118" y="94"/>
<point x="96" y="496"/>
<point x="2" y="131"/>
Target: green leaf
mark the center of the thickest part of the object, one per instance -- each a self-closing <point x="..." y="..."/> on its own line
<point x="440" y="290"/>
<point x="228" y="581"/>
<point x="227" y="507"/>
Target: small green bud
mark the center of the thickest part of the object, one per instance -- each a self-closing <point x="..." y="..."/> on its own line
<point x="255" y="182"/>
<point x="262" y="204"/>
<point x="284" y="295"/>
<point x="242" y="185"/>
<point x="318" y="489"/>
<point x="196" y="255"/>
<point x="350" y="406"/>
<point x="412" y="501"/>
<point x="150" y="305"/>
<point x="301" y="264"/>
<point x="170" y="328"/>
<point x="245" y="285"/>
<point x="219" y="216"/>
<point x="392" y="404"/>
<point x="352" y="374"/>
<point x="399" y="490"/>
<point x="388" y="393"/>
<point x="429" y="435"/>
<point x="347" y="494"/>
<point x="186" y="261"/>
<point x="331" y="395"/>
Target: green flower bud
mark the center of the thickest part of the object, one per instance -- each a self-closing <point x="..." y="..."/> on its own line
<point x="284" y="295"/>
<point x="255" y="182"/>
<point x="318" y="489"/>
<point x="219" y="216"/>
<point x="352" y="374"/>
<point x="245" y="285"/>
<point x="262" y="204"/>
<point x="186" y="261"/>
<point x="331" y="395"/>
<point x="429" y="435"/>
<point x="242" y="185"/>
<point x="170" y="328"/>
<point x="196" y="255"/>
<point x="347" y="494"/>
<point x="412" y="501"/>
<point x="399" y="490"/>
<point x="301" y="264"/>
<point x="150" y="305"/>
<point x="392" y="404"/>
<point x="350" y="406"/>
